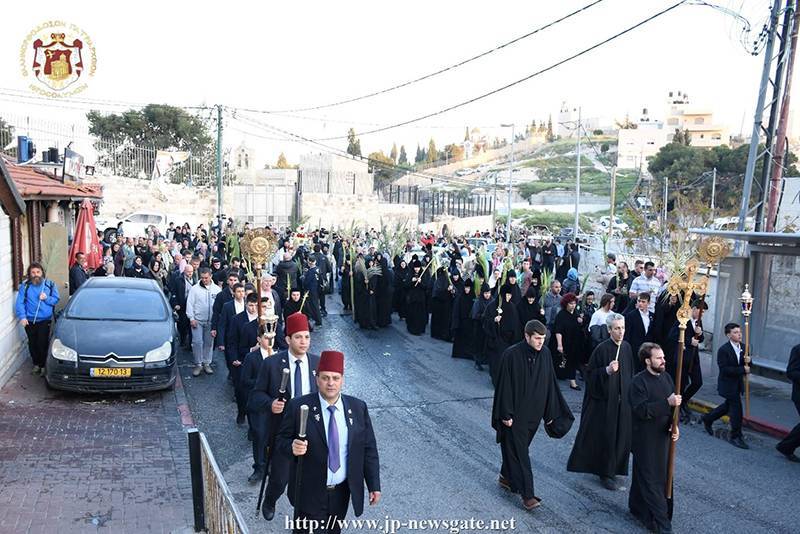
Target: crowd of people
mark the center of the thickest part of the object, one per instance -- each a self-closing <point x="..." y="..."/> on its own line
<point x="519" y="311"/>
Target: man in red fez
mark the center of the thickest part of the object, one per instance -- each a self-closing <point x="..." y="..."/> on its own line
<point x="339" y="452"/>
<point x="266" y="398"/>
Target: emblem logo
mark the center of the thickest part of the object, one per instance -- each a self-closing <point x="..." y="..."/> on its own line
<point x="60" y="57"/>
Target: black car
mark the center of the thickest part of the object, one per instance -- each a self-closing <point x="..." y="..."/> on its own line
<point x="114" y="335"/>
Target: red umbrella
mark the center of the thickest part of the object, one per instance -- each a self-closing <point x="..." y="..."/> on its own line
<point x="85" y="239"/>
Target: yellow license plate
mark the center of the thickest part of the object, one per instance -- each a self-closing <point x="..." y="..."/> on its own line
<point x="110" y="372"/>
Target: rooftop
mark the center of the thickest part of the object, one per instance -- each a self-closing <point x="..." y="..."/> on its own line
<point x="33" y="183"/>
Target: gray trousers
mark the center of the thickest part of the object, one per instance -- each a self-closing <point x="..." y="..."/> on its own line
<point x="202" y="343"/>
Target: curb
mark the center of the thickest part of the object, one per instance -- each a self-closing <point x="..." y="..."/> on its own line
<point x="183" y="406"/>
<point x="753" y="423"/>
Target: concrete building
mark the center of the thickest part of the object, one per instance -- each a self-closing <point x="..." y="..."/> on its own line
<point x="636" y="146"/>
<point x="681" y="115"/>
<point x="565" y="126"/>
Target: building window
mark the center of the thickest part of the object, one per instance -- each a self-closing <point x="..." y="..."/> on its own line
<point x="699" y="120"/>
<point x="246" y="161"/>
<point x="717" y="137"/>
<point x="702" y="136"/>
<point x="673" y="121"/>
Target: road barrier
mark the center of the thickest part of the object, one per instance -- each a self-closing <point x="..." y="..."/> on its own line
<point x="214" y="509"/>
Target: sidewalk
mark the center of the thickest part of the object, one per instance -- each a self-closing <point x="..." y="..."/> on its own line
<point x="91" y="463"/>
<point x="771" y="409"/>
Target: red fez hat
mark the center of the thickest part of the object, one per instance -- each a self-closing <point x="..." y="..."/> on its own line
<point x="296" y="322"/>
<point x="331" y="361"/>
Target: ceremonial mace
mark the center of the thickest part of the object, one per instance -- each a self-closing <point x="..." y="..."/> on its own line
<point x="712" y="250"/>
<point x="747" y="308"/>
<point x="685" y="284"/>
<point x="270" y="326"/>
<point x="301" y="434"/>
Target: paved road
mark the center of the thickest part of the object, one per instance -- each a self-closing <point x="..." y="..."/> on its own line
<point x="439" y="459"/>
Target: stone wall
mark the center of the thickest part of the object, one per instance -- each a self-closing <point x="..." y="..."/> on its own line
<point x="457" y="226"/>
<point x="341" y="211"/>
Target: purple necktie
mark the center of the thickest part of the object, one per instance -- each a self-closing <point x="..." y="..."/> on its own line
<point x="333" y="441"/>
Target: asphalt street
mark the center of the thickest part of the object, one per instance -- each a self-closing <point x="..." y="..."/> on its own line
<point x="439" y="459"/>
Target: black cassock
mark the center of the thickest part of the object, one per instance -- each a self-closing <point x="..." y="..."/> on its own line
<point x="652" y="418"/>
<point x="399" y="295"/>
<point x="527" y="393"/>
<point x="345" y="286"/>
<point x="603" y="443"/>
<point x="384" y="296"/>
<point x="500" y="336"/>
<point x="361" y="297"/>
<point x="441" y="306"/>
<point x="416" y="311"/>
<point x="462" y="325"/>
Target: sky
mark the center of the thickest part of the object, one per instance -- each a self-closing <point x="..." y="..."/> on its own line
<point x="289" y="55"/>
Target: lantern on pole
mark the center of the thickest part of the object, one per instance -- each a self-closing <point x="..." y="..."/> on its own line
<point x="747" y="308"/>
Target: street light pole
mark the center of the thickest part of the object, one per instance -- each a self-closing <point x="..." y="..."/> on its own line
<point x="578" y="180"/>
<point x="510" y="176"/>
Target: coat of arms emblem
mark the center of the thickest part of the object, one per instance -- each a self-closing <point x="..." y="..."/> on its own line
<point x="60" y="56"/>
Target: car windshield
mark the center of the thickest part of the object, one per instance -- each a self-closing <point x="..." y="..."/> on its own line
<point x="117" y="304"/>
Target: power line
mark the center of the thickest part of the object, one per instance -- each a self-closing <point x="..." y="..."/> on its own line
<point x="82" y="103"/>
<point x="517" y="82"/>
<point x="437" y="72"/>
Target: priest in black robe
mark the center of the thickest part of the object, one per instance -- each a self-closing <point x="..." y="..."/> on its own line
<point x="526" y="394"/>
<point x="462" y="325"/>
<point x="603" y="443"/>
<point x="652" y="399"/>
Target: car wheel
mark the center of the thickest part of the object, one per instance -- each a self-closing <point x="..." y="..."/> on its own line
<point x="110" y="235"/>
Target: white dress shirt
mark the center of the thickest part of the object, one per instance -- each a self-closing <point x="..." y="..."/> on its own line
<point x="304" y="374"/>
<point x="737" y="349"/>
<point x="341" y="425"/>
<point x="645" y="320"/>
<point x="238" y="307"/>
<point x="264" y="353"/>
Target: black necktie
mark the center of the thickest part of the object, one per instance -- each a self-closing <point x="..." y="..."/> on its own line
<point x="298" y="379"/>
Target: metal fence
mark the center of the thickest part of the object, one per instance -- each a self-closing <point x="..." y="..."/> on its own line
<point x="335" y="182"/>
<point x="214" y="508"/>
<point x="434" y="203"/>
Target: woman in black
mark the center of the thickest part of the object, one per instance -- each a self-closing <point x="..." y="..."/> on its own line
<point x="399" y="296"/>
<point x="501" y="327"/>
<point x="158" y="274"/>
<point x="568" y="340"/>
<point x="530" y="307"/>
<point x="416" y="285"/>
<point x="478" y="311"/>
<point x="462" y="325"/>
<point x="384" y="294"/>
<point x="441" y="305"/>
<point x="360" y="293"/>
<point x="344" y="286"/>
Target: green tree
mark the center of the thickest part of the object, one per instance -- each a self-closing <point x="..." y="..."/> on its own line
<point x="682" y="137"/>
<point x="597" y="132"/>
<point x="454" y="152"/>
<point x="466" y="133"/>
<point x="282" y="163"/>
<point x="433" y="154"/>
<point x="604" y="148"/>
<point x="393" y="152"/>
<point x="353" y="143"/>
<point x="382" y="167"/>
<point x="420" y="157"/>
<point x="550" y="136"/>
<point x="403" y="158"/>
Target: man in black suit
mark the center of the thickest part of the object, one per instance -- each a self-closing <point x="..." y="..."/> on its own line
<point x="339" y="452"/>
<point x="225" y="321"/>
<point x="225" y="296"/>
<point x="730" y="385"/>
<point x="266" y="399"/>
<point x="791" y="442"/>
<point x="181" y="284"/>
<point x="638" y="326"/>
<point x="324" y="269"/>
<point x="692" y="374"/>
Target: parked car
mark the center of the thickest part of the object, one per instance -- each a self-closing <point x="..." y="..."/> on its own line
<point x="114" y="335"/>
<point x="464" y="172"/>
<point x="567" y="234"/>
<point x="133" y="225"/>
<point x="618" y="224"/>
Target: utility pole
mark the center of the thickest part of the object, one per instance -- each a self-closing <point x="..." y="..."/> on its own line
<point x="753" y="155"/>
<point x="713" y="189"/>
<point x="578" y="180"/>
<point x="510" y="176"/>
<point x="613" y="199"/>
<point x="780" y="137"/>
<point x="219" y="160"/>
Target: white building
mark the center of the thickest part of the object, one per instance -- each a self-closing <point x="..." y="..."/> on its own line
<point x="697" y="121"/>
<point x="566" y="125"/>
<point x="636" y="146"/>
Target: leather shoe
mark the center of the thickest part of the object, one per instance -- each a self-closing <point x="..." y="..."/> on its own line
<point x="530" y="504"/>
<point x="609" y="483"/>
<point x="268" y="511"/>
<point x="792" y="457"/>
<point x="739" y="442"/>
<point x="256" y="475"/>
<point x="707" y="426"/>
<point x="240" y="420"/>
<point x="504" y="483"/>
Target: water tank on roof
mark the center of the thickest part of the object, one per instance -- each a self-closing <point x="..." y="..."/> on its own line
<point x="25" y="148"/>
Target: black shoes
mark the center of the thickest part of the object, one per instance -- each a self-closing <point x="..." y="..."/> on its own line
<point x="792" y="457"/>
<point x="609" y="483"/>
<point x="256" y="476"/>
<point x="707" y="426"/>
<point x="268" y="510"/>
<point x="576" y="387"/>
<point x="479" y="367"/>
<point x="240" y="419"/>
<point x="739" y="442"/>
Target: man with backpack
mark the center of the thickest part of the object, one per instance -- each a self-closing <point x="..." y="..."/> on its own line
<point x="35" y="304"/>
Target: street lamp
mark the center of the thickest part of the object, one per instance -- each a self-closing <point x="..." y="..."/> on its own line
<point x="510" y="176"/>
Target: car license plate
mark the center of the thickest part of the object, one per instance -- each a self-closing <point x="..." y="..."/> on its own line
<point x="110" y="372"/>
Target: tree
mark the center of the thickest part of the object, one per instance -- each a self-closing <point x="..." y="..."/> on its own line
<point x="155" y="126"/>
<point x="393" y="152"/>
<point x="353" y="144"/>
<point x="597" y="132"/>
<point x="604" y="148"/>
<point x="466" y="133"/>
<point x="454" y="152"/>
<point x="282" y="163"/>
<point x="550" y="136"/>
<point x="682" y="137"/>
<point x="433" y="154"/>
<point x="382" y="167"/>
<point x="403" y="158"/>
<point x="420" y="157"/>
